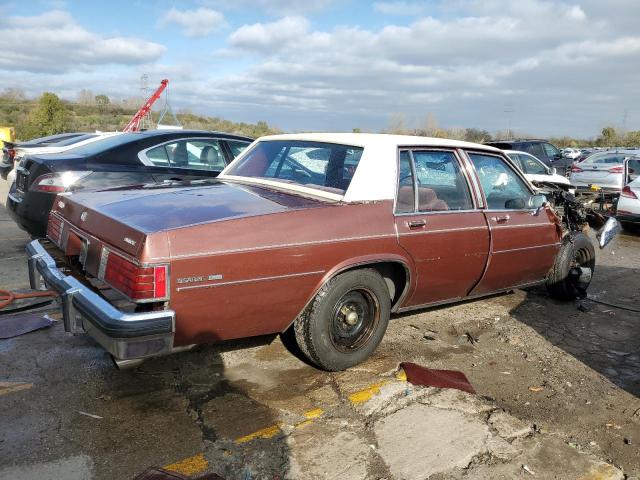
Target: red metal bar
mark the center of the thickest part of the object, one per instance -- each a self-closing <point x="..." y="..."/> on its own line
<point x="134" y="123"/>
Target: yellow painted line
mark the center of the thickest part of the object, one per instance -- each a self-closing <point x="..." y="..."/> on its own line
<point x="268" y="432"/>
<point x="401" y="375"/>
<point x="11" y="387"/>
<point x="365" y="394"/>
<point x="315" y="413"/>
<point x="189" y="466"/>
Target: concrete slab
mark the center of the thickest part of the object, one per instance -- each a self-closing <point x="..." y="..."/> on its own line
<point x="410" y="448"/>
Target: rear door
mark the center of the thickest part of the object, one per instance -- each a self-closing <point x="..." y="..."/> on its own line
<point x="524" y="242"/>
<point x="439" y="224"/>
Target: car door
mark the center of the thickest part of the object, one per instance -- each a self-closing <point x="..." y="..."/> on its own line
<point x="185" y="159"/>
<point x="524" y="242"/>
<point x="439" y="225"/>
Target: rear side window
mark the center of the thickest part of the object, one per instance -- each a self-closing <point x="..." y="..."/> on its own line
<point x="503" y="188"/>
<point x="199" y="154"/>
<point x="437" y="178"/>
<point x="633" y="169"/>
<point x="550" y="150"/>
<point x="534" y="149"/>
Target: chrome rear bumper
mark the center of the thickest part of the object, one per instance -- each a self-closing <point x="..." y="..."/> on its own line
<point x="127" y="336"/>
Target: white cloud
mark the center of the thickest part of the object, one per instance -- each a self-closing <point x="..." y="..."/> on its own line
<point x="54" y="42"/>
<point x="199" y="22"/>
<point x="269" y="37"/>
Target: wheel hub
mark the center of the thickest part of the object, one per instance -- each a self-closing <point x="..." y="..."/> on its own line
<point x="351" y="316"/>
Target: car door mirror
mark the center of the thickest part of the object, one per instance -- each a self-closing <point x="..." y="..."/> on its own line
<point x="553" y="171"/>
<point x="609" y="231"/>
<point x="537" y="201"/>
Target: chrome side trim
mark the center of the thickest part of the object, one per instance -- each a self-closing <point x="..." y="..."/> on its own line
<point x="249" y="280"/>
<point x="496" y="227"/>
<point x="443" y="230"/>
<point x="275" y="246"/>
<point x="528" y="248"/>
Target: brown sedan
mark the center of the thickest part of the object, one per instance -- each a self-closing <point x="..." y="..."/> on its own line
<point x="327" y="234"/>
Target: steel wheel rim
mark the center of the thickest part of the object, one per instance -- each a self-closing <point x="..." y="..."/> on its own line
<point x="354" y="318"/>
<point x="581" y="259"/>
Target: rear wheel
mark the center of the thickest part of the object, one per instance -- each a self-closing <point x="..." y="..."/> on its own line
<point x="346" y="320"/>
<point x="571" y="273"/>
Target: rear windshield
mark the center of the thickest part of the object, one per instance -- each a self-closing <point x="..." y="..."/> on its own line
<point x="105" y="144"/>
<point x="324" y="166"/>
<point x="612" y="158"/>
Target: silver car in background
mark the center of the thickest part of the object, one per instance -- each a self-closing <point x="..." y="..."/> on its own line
<point x="602" y="170"/>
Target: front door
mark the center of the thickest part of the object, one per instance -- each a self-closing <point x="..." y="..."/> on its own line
<point x="524" y="242"/>
<point x="439" y="226"/>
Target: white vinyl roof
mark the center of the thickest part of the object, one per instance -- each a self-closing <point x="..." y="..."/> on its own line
<point x="375" y="177"/>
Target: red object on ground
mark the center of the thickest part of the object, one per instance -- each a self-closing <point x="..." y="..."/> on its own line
<point x="419" y="375"/>
<point x="6" y="297"/>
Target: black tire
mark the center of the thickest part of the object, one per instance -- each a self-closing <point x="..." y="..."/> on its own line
<point x="324" y="331"/>
<point x="563" y="281"/>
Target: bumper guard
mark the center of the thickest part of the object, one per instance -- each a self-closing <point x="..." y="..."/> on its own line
<point x="126" y="336"/>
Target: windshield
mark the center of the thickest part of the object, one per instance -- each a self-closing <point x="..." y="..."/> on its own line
<point x="324" y="166"/>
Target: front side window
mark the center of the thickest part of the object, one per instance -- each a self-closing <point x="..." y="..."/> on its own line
<point x="323" y="166"/>
<point x="201" y="154"/>
<point x="531" y="165"/>
<point x="550" y="150"/>
<point x="237" y="147"/>
<point x="503" y="188"/>
<point x="438" y="179"/>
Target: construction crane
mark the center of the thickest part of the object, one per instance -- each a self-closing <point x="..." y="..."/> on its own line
<point x="134" y="123"/>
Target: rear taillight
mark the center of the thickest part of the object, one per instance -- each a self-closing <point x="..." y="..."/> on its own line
<point x="616" y="170"/>
<point x="627" y="192"/>
<point x="575" y="169"/>
<point x="56" y="182"/>
<point x="136" y="282"/>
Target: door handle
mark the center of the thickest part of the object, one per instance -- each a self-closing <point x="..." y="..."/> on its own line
<point x="502" y="219"/>
<point x="417" y="223"/>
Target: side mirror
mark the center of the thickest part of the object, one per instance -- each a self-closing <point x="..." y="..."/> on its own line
<point x="609" y="231"/>
<point x="536" y="201"/>
<point x="553" y="171"/>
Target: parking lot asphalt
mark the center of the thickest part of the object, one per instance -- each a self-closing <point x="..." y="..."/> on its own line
<point x="558" y="396"/>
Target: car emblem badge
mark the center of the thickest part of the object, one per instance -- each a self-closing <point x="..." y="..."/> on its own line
<point x="83" y="216"/>
<point x="61" y="205"/>
<point x="130" y="241"/>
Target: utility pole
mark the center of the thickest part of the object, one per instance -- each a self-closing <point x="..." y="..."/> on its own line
<point x="508" y="111"/>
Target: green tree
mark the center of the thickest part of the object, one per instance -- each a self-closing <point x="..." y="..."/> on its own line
<point x="476" y="135"/>
<point x="609" y="137"/>
<point x="102" y="100"/>
<point x="48" y="118"/>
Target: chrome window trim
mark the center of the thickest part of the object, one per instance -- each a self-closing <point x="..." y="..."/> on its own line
<point x="142" y="154"/>
<point x="463" y="170"/>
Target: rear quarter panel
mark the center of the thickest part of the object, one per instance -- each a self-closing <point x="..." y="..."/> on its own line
<point x="253" y="276"/>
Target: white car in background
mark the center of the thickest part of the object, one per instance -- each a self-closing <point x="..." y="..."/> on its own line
<point x="536" y="171"/>
<point x="59" y="147"/>
<point x="602" y="170"/>
<point x="628" y="207"/>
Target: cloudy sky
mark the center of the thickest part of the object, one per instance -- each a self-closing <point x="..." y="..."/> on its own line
<point x="541" y="67"/>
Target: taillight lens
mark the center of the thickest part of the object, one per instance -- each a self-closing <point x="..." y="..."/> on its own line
<point x="136" y="282"/>
<point x="575" y="169"/>
<point x="616" y="170"/>
<point x="56" y="182"/>
<point x="627" y="192"/>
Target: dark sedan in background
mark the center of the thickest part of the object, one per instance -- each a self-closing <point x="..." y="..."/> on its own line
<point x="125" y="159"/>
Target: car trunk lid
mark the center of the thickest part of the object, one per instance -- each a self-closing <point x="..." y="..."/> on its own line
<point x="123" y="217"/>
